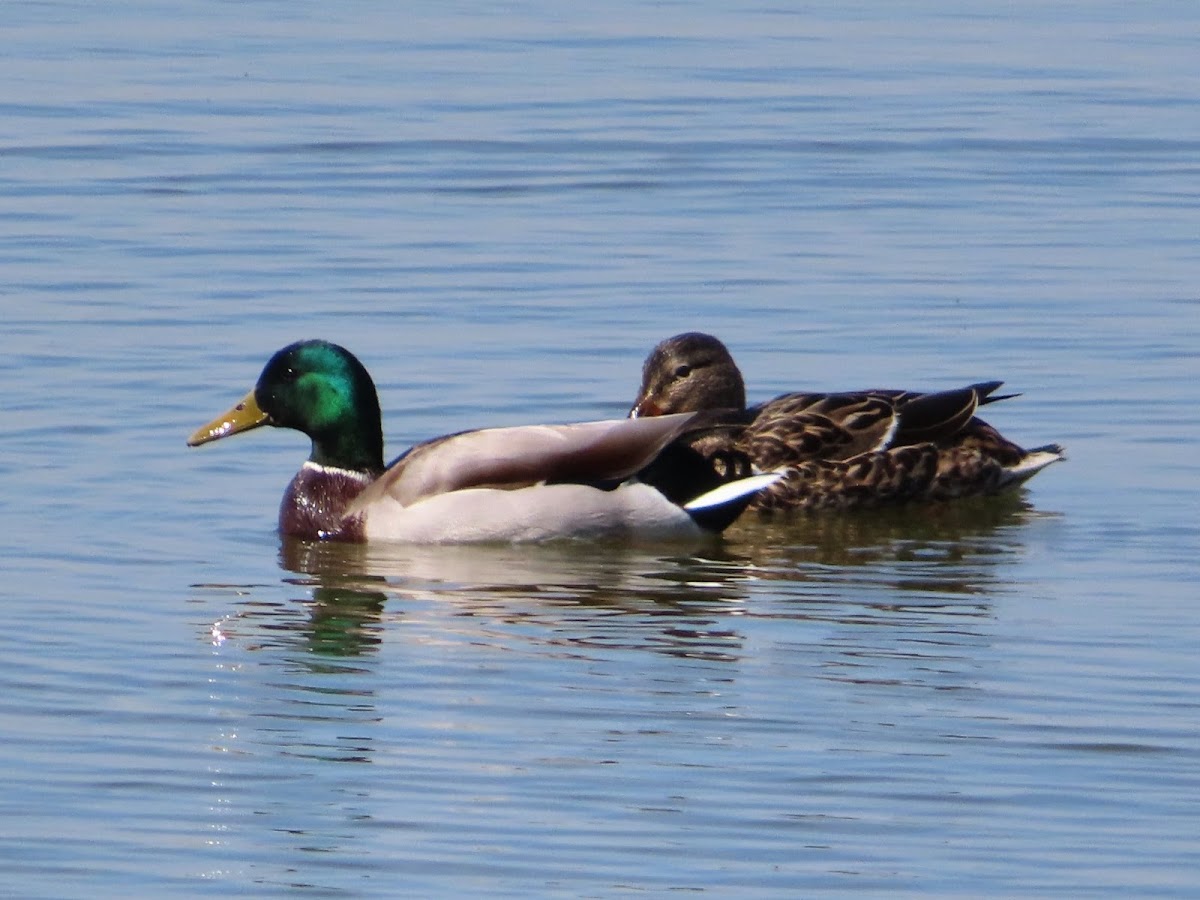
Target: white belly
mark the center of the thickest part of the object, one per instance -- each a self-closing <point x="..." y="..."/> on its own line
<point x="530" y="514"/>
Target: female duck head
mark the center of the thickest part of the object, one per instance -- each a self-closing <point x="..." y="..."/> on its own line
<point x="687" y="373"/>
<point x="320" y="389"/>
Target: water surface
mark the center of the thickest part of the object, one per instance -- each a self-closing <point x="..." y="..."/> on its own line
<point x="501" y="209"/>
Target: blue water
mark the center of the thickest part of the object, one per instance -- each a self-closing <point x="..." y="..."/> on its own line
<point x="501" y="209"/>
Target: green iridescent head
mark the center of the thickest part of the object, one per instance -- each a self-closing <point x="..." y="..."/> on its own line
<point x="320" y="389"/>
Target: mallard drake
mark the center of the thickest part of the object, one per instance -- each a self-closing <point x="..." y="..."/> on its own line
<point x="621" y="477"/>
<point x="843" y="450"/>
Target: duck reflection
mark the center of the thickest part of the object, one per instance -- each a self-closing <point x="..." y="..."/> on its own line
<point x="893" y="600"/>
<point x="956" y="546"/>
<point x="906" y="597"/>
<point x="583" y="595"/>
<point x="345" y="615"/>
<point x="345" y="621"/>
<point x="934" y="565"/>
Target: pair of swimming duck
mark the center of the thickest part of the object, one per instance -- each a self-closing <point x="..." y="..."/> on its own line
<point x="689" y="459"/>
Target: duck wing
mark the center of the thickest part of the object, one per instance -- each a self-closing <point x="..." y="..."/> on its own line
<point x="796" y="428"/>
<point x="524" y="455"/>
<point x="939" y="416"/>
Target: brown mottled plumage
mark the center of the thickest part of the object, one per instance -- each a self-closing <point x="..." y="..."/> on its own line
<point x="844" y="450"/>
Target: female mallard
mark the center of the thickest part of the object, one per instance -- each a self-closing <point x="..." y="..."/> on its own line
<point x="532" y="482"/>
<point x="845" y="450"/>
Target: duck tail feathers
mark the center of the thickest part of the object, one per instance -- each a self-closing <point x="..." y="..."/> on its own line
<point x="1034" y="461"/>
<point x="985" y="390"/>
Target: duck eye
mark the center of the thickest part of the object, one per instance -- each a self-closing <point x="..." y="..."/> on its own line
<point x="683" y="371"/>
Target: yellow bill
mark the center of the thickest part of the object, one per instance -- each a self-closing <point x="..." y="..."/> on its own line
<point x="243" y="417"/>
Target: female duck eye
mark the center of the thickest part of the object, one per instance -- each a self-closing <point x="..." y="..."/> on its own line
<point x="683" y="371"/>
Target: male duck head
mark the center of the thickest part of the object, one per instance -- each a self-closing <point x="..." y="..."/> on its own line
<point x="320" y="389"/>
<point x="687" y="373"/>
